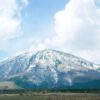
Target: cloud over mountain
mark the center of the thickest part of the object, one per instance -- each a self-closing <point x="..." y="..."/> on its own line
<point x="77" y="29"/>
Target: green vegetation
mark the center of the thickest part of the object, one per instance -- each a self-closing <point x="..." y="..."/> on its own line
<point x="55" y="96"/>
<point x="44" y="91"/>
<point x="24" y="94"/>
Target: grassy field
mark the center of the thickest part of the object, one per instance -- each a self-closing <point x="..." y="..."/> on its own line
<point x="64" y="96"/>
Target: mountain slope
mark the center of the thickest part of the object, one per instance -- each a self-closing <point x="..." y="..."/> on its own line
<point x="50" y="69"/>
<point x="8" y="85"/>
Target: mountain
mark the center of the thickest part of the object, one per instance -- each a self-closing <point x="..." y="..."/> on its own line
<point x="50" y="69"/>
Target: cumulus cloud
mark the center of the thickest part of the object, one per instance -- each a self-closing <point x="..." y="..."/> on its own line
<point x="77" y="29"/>
<point x="10" y="23"/>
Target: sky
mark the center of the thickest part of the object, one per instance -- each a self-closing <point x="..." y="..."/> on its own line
<point x="72" y="26"/>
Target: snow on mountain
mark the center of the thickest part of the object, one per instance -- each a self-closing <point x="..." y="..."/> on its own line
<point x="15" y="65"/>
<point x="49" y="69"/>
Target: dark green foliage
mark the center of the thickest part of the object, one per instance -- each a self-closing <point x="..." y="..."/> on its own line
<point x="24" y="83"/>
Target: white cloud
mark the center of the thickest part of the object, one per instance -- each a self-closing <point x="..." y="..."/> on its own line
<point x="10" y="23"/>
<point x="90" y="55"/>
<point x="77" y="29"/>
<point x="33" y="44"/>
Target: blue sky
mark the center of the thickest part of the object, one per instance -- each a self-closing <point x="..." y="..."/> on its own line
<point x="71" y="26"/>
<point x="37" y="17"/>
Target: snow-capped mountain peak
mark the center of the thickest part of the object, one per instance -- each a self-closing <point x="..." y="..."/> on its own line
<point x="50" y="67"/>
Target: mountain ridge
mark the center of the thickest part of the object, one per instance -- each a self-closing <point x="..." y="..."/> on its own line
<point x="49" y="69"/>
